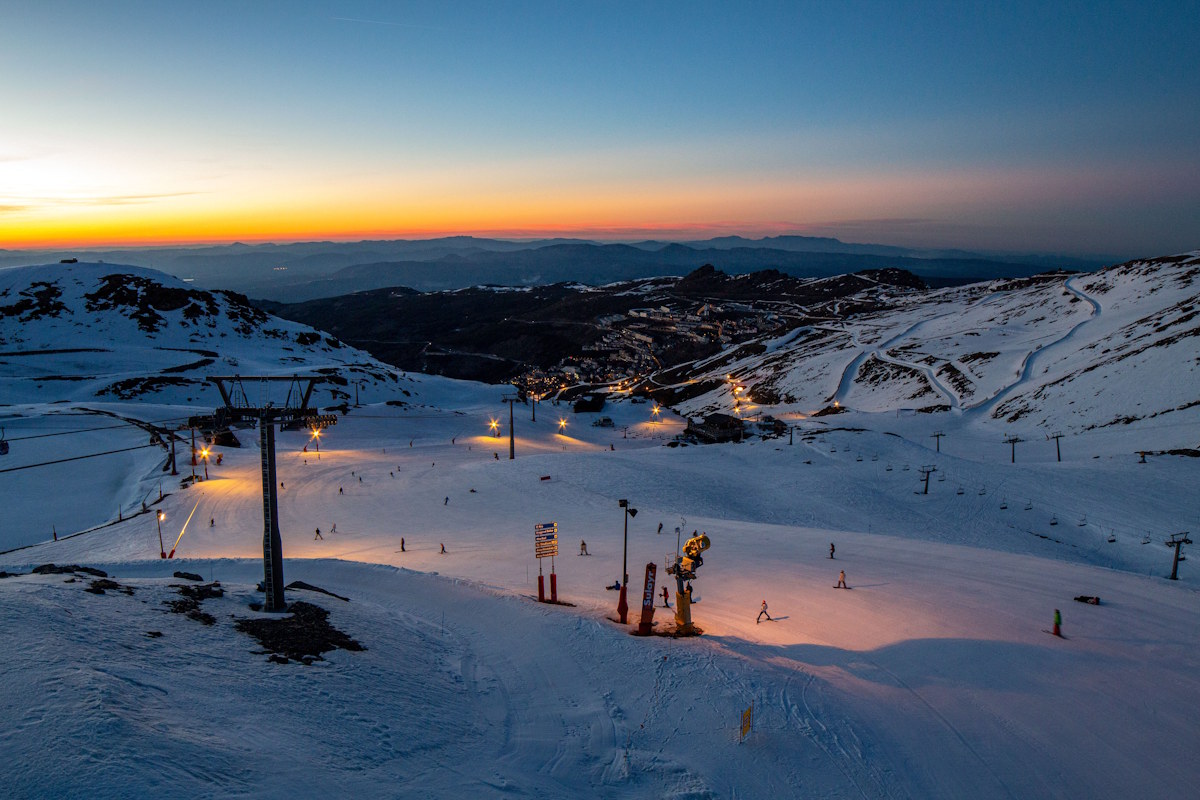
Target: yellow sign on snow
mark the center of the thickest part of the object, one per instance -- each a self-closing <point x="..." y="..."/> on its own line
<point x="747" y="720"/>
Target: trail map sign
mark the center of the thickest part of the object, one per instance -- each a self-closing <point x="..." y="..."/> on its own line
<point x="545" y="539"/>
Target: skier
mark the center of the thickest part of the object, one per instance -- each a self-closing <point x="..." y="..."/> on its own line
<point x="340" y="490"/>
<point x="831" y="548"/>
<point x="1057" y="623"/>
<point x="583" y="548"/>
<point x="211" y="522"/>
<point x="360" y="478"/>
<point x="761" y="612"/>
<point x="401" y="544"/>
<point x="666" y="598"/>
<point x="446" y="502"/>
<point x="334" y="528"/>
<point x="841" y="584"/>
<point x="443" y="548"/>
<point x="318" y="535"/>
<point x="660" y="529"/>
<point x="281" y="485"/>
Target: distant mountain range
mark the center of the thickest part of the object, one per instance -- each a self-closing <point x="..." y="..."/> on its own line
<point x="310" y="270"/>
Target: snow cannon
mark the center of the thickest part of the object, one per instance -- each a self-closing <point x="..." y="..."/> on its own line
<point x="684" y="569"/>
<point x="692" y="549"/>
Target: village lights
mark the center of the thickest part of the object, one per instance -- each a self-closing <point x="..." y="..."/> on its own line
<point x="622" y="605"/>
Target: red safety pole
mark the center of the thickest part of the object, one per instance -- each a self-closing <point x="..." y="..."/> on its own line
<point x="541" y="584"/>
<point x="553" y="582"/>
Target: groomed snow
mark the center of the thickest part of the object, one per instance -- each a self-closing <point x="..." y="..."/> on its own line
<point x="930" y="677"/>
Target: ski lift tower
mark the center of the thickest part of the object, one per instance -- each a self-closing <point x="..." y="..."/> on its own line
<point x="293" y="412"/>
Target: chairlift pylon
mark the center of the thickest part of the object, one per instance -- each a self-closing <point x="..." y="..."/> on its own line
<point x="3" y="443"/>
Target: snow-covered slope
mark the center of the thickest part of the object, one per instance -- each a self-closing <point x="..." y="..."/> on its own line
<point x="1053" y="352"/>
<point x="931" y="677"/>
<point x="99" y="331"/>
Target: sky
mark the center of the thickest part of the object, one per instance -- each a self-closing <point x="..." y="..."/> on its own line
<point x="1050" y="127"/>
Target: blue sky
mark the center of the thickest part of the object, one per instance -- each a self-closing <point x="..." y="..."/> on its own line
<point x="1019" y="126"/>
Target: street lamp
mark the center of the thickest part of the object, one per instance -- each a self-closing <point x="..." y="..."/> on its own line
<point x="655" y="411"/>
<point x="495" y="426"/>
<point x="204" y="454"/>
<point x="622" y="605"/>
<point x="162" y="551"/>
<point x="562" y="425"/>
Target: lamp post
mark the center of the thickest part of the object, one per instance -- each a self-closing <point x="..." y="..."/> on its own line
<point x="562" y="425"/>
<point x="494" y="424"/>
<point x="162" y="551"/>
<point x="204" y="453"/>
<point x="622" y="605"/>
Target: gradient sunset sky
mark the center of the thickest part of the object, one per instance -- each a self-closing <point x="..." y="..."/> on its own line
<point x="1041" y="126"/>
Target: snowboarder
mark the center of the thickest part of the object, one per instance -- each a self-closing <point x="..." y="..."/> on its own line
<point x="616" y="585"/>
<point x="583" y="548"/>
<point x="401" y="544"/>
<point x="1089" y="599"/>
<point x="318" y="535"/>
<point x="1057" y="623"/>
<point x="762" y="611"/>
<point x="666" y="598"/>
<point x="443" y="548"/>
<point x="831" y="549"/>
<point x="446" y="502"/>
<point x="841" y="584"/>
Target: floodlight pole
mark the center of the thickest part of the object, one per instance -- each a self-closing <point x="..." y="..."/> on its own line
<point x="622" y="604"/>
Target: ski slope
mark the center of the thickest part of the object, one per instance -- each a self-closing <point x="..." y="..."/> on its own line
<point x="930" y="677"/>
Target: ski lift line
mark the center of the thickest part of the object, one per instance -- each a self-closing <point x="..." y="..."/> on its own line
<point x="78" y="458"/>
<point x="90" y="430"/>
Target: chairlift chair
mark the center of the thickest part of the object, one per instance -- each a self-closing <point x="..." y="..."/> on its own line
<point x="1004" y="504"/>
<point x="1053" y="519"/>
<point x="960" y="490"/>
<point x="1028" y="505"/>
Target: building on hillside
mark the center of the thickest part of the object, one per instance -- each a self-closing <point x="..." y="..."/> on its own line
<point x="716" y="428"/>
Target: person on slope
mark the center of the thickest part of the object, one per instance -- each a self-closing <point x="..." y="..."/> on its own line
<point x="831" y="548"/>
<point x="318" y="535"/>
<point x="666" y="598"/>
<point x="762" y="612"/>
<point x="583" y="548"/>
<point x="841" y="584"/>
